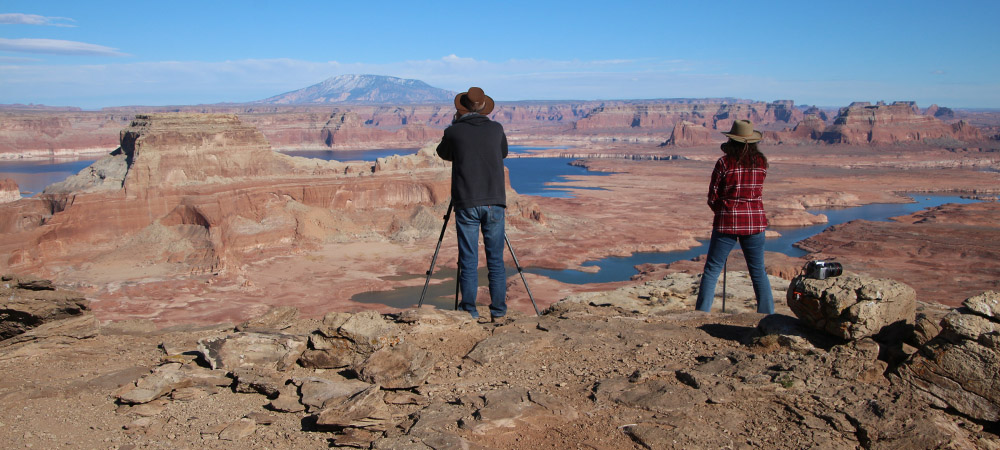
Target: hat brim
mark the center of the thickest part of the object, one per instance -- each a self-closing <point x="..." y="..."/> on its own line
<point x="488" y="108"/>
<point x="754" y="137"/>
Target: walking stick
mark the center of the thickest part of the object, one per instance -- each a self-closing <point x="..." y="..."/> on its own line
<point x="458" y="284"/>
<point x="444" y="228"/>
<point x="725" y="270"/>
<point x="521" y="271"/>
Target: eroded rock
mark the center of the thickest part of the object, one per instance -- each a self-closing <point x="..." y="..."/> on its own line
<point x="273" y="351"/>
<point x="960" y="368"/>
<point x="851" y="306"/>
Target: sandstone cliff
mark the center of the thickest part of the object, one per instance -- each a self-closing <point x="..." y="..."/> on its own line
<point x="201" y="192"/>
<point x="9" y="191"/>
<point x="863" y="123"/>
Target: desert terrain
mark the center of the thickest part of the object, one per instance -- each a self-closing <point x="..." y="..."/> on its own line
<point x="195" y="225"/>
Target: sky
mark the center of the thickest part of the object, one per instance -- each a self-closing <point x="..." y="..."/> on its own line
<point x="94" y="54"/>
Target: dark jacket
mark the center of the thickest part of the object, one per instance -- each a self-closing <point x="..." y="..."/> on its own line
<point x="476" y="146"/>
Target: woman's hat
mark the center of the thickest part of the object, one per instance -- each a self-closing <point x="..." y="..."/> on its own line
<point x="743" y="132"/>
<point x="475" y="100"/>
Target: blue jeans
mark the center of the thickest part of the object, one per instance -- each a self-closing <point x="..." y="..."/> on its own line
<point x="468" y="223"/>
<point x="718" y="251"/>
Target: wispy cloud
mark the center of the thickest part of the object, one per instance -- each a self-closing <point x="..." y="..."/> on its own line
<point x="34" y="19"/>
<point x="16" y="60"/>
<point x="56" y="46"/>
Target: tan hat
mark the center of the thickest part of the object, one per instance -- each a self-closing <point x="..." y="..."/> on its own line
<point x="743" y="132"/>
<point x="475" y="100"/>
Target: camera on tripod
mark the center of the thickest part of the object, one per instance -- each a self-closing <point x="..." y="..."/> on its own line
<point x="822" y="270"/>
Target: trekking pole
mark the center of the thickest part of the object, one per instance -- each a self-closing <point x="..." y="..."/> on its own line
<point x="444" y="228"/>
<point x="725" y="270"/>
<point x="521" y="271"/>
<point x="458" y="284"/>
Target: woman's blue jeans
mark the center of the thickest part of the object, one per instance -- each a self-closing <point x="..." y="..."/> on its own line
<point x="718" y="251"/>
<point x="469" y="221"/>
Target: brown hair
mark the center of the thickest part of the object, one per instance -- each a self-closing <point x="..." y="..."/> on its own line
<point x="745" y="154"/>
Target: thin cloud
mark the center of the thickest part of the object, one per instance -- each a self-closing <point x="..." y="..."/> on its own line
<point x="57" y="47"/>
<point x="34" y="19"/>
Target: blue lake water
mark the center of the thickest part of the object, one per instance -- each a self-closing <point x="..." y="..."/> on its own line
<point x="33" y="176"/>
<point x="621" y="268"/>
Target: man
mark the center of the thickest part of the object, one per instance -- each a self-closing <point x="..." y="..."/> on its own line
<point x="476" y="146"/>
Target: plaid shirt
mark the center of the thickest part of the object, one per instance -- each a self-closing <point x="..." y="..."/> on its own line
<point x="735" y="196"/>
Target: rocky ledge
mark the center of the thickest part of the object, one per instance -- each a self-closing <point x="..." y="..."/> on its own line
<point x="633" y="368"/>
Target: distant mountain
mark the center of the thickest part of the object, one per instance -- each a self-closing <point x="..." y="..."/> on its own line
<point x="364" y="89"/>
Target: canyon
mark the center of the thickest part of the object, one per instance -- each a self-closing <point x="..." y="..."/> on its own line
<point x="191" y="223"/>
<point x="32" y="132"/>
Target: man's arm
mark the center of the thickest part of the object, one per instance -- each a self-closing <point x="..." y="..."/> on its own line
<point x="503" y="144"/>
<point x="444" y="149"/>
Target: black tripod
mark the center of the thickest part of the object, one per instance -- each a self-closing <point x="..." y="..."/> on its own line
<point x="458" y="275"/>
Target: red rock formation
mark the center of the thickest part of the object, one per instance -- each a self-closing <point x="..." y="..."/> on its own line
<point x="664" y="115"/>
<point x="9" y="191"/>
<point x="863" y="123"/>
<point x="51" y="133"/>
<point x="687" y="134"/>
<point x="203" y="192"/>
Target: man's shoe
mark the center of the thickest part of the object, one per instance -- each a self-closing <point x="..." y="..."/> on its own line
<point x="501" y="320"/>
<point x="483" y="320"/>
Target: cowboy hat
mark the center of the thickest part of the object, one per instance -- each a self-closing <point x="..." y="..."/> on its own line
<point x="475" y="100"/>
<point x="743" y="131"/>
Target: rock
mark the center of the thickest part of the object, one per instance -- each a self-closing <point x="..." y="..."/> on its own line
<point x="851" y="306"/>
<point x="288" y="400"/>
<point x="168" y="377"/>
<point x="188" y="394"/>
<point x="9" y="191"/>
<point x="783" y="331"/>
<point x="687" y="134"/>
<point x="960" y="367"/>
<point x="864" y="123"/>
<point x="275" y="319"/>
<point x="258" y="380"/>
<point x="238" y="430"/>
<point x="858" y="361"/>
<point x="348" y="339"/>
<point x="369" y="331"/>
<point x="164" y="379"/>
<point x="986" y="304"/>
<point x="27" y="303"/>
<point x="925" y="329"/>
<point x="655" y="395"/>
<point x="318" y="393"/>
<point x="400" y="367"/>
<point x="269" y="351"/>
<point x="365" y="409"/>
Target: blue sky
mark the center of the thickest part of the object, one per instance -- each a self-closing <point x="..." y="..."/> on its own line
<point x="99" y="53"/>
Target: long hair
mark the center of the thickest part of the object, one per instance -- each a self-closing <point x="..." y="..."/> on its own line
<point x="745" y="154"/>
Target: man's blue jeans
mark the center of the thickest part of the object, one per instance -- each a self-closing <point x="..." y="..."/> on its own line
<point x="718" y="251"/>
<point x="489" y="219"/>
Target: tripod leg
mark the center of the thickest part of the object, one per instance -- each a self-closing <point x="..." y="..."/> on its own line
<point x="521" y="271"/>
<point x="437" y="249"/>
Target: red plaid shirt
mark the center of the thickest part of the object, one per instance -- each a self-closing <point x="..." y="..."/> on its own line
<point x="735" y="196"/>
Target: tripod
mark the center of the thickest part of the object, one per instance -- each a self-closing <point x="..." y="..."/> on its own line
<point x="458" y="275"/>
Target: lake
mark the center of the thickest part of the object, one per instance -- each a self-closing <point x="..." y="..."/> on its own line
<point x="529" y="176"/>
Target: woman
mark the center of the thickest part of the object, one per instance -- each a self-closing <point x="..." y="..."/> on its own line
<point x="735" y="197"/>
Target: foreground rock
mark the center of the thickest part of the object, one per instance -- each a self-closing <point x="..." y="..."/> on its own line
<point x="960" y="368"/>
<point x="852" y="306"/>
<point x="32" y="308"/>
